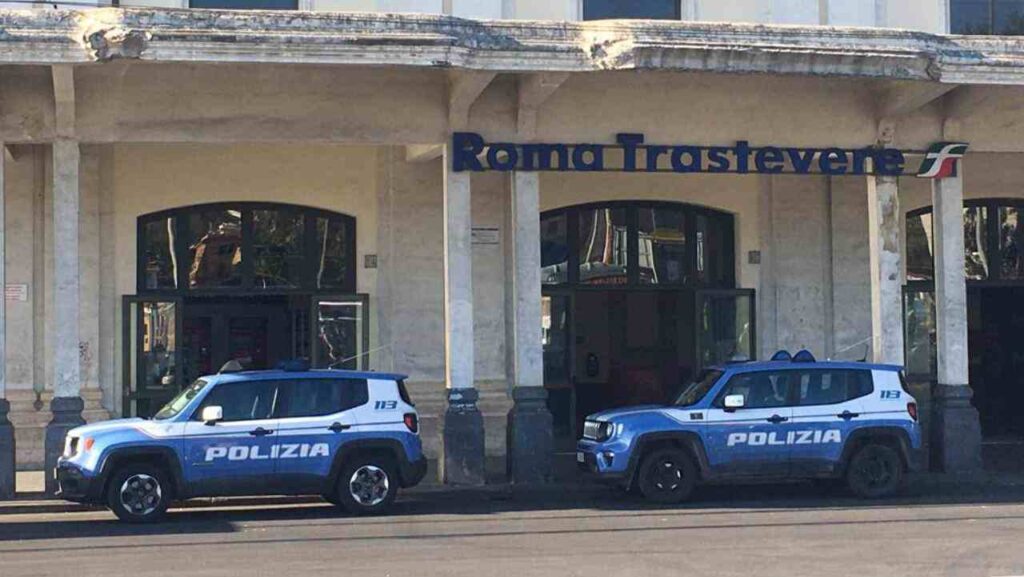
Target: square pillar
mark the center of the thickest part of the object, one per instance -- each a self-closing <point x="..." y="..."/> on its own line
<point x="956" y="430"/>
<point x="7" y="448"/>
<point x="462" y="442"/>
<point x="886" y="282"/>
<point x="530" y="436"/>
<point x="67" y="404"/>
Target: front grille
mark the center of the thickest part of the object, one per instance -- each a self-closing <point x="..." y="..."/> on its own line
<point x="592" y="430"/>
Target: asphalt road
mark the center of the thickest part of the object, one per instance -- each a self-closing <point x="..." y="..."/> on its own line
<point x="764" y="531"/>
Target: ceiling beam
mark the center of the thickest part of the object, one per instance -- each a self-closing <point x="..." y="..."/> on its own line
<point x="906" y="99"/>
<point x="423" y="152"/>
<point x="534" y="90"/>
<point x="64" y="99"/>
<point x="464" y="87"/>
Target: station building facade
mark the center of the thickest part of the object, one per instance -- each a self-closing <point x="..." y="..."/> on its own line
<point x="186" y="187"/>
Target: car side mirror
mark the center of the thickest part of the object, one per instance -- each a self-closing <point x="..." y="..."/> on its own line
<point x="733" y="402"/>
<point x="211" y="415"/>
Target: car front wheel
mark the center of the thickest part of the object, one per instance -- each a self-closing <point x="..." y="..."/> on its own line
<point x="667" y="476"/>
<point x="139" y="493"/>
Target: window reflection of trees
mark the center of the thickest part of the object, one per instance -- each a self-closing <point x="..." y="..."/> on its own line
<point x="975" y="243"/>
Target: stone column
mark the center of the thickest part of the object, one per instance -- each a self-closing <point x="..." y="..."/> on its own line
<point x="956" y="431"/>
<point x="530" y="435"/>
<point x="886" y="284"/>
<point x="7" y="449"/>
<point x="462" y="442"/>
<point x="67" y="404"/>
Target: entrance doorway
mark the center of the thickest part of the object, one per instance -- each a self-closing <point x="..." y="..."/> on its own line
<point x="256" y="283"/>
<point x="638" y="297"/>
<point x="258" y="333"/>
<point x="995" y="322"/>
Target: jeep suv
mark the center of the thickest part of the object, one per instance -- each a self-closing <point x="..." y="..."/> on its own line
<point x="352" y="437"/>
<point x="789" y="418"/>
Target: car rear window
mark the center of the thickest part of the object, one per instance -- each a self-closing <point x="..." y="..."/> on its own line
<point x="319" y="397"/>
<point x="403" y="393"/>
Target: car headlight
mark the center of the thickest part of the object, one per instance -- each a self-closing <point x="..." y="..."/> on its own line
<point x="598" y="430"/>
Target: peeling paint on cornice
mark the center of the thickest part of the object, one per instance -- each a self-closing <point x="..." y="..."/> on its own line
<point x="54" y="37"/>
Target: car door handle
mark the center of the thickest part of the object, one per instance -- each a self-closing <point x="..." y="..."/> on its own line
<point x="338" y="427"/>
<point x="260" y="432"/>
<point x="847" y="415"/>
<point x="776" y="419"/>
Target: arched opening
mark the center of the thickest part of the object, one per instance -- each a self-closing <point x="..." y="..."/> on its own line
<point x="994" y="271"/>
<point x="256" y="283"/>
<point x="638" y="297"/>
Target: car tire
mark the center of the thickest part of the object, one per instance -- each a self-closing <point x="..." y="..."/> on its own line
<point x="367" y="485"/>
<point x="875" y="471"/>
<point x="667" y="476"/>
<point x="139" y="493"/>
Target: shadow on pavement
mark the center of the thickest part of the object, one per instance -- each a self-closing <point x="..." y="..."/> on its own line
<point x="570" y="502"/>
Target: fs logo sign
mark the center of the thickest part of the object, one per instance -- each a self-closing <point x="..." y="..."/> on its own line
<point x="941" y="159"/>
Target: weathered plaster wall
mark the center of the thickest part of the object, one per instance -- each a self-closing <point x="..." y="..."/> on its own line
<point x="24" y="192"/>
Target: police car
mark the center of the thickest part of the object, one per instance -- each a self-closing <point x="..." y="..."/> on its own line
<point x="352" y="437"/>
<point x="788" y="418"/>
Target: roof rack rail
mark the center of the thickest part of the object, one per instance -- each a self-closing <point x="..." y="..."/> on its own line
<point x="294" y="365"/>
<point x="804" y="356"/>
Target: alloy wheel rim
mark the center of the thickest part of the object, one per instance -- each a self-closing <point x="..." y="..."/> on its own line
<point x="141" y="494"/>
<point x="667" y="475"/>
<point x="369" y="485"/>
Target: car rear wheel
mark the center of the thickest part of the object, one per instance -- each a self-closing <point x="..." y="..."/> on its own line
<point x="667" y="476"/>
<point x="367" y="485"/>
<point x="875" y="471"/>
<point x="139" y="493"/>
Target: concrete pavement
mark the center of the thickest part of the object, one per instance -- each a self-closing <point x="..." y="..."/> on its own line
<point x="760" y="530"/>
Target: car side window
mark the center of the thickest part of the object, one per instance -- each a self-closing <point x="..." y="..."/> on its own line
<point x="320" y="397"/>
<point x="829" y="387"/>
<point x="244" y="401"/>
<point x="760" y="390"/>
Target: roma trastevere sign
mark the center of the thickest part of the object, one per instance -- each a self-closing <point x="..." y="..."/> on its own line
<point x="470" y="152"/>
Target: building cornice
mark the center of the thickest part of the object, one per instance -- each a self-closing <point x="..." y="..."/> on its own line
<point x="160" y="35"/>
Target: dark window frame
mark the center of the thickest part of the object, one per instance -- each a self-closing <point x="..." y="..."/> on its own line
<point x="676" y="11"/>
<point x="725" y="222"/>
<point x="995" y="272"/>
<point x="191" y="4"/>
<point x="307" y="283"/>
<point x="990" y="23"/>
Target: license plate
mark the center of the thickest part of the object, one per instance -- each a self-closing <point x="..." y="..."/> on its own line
<point x="580" y="458"/>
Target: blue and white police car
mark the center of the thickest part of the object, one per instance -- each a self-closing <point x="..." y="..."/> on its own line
<point x="788" y="418"/>
<point x="352" y="437"/>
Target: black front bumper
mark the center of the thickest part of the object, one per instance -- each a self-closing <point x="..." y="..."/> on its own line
<point x="73" y="485"/>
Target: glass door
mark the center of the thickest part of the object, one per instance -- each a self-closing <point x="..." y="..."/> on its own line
<point x="557" y="340"/>
<point x="340" y="331"/>
<point x="725" y="327"/>
<point x="152" y="368"/>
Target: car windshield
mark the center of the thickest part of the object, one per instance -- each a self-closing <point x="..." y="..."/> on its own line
<point x="178" y="403"/>
<point x="695" y="391"/>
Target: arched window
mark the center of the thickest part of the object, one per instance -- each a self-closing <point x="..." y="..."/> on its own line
<point x="248" y="247"/>
<point x="654" y="244"/>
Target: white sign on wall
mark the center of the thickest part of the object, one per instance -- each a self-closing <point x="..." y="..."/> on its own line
<point x="16" y="293"/>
